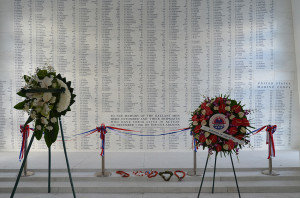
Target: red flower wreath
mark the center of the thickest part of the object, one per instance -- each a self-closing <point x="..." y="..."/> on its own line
<point x="225" y="116"/>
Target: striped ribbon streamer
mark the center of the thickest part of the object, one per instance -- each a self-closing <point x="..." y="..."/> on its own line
<point x="103" y="130"/>
<point x="25" y="133"/>
<point x="270" y="129"/>
<point x="129" y="132"/>
<point x="270" y="141"/>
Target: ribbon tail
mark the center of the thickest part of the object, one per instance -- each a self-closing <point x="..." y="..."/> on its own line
<point x="102" y="143"/>
<point x="25" y="134"/>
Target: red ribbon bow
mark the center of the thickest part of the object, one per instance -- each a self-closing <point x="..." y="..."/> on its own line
<point x="25" y="134"/>
<point x="102" y="131"/>
<point x="269" y="140"/>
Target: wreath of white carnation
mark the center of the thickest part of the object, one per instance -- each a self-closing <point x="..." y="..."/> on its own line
<point x="47" y="97"/>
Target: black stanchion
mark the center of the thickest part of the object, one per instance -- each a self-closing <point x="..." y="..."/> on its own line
<point x="67" y="161"/>
<point x="49" y="169"/>
<point x="22" y="166"/>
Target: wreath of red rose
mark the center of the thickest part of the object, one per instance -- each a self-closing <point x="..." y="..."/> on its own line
<point x="238" y="124"/>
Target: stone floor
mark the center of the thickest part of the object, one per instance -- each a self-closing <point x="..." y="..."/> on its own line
<point x="156" y="195"/>
<point x="249" y="161"/>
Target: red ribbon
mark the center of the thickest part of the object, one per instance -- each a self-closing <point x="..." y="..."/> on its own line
<point x="25" y="134"/>
<point x="102" y="131"/>
<point x="269" y="140"/>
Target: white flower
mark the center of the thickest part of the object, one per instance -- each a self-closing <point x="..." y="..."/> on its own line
<point x="243" y="130"/>
<point x="65" y="98"/>
<point x="241" y="114"/>
<point x="53" y="120"/>
<point x="36" y="78"/>
<point x="195" y="123"/>
<point x="231" y="117"/>
<point x="33" y="114"/>
<point x="208" y="141"/>
<point x="227" y="108"/>
<point x="216" y="108"/>
<point x="228" y="102"/>
<point x="206" y="134"/>
<point x="50" y="128"/>
<point x="47" y="96"/>
<point x="40" y="103"/>
<point x="35" y="102"/>
<point x="225" y="147"/>
<point x="26" y="107"/>
<point x="50" y="68"/>
<point x="44" y="120"/>
<point x="29" y="95"/>
<point x="39" y="127"/>
<point x="38" y="109"/>
<point x="54" y="85"/>
<point x="203" y="123"/>
<point x="45" y="110"/>
<point x="53" y="99"/>
<point x="37" y="95"/>
<point x="46" y="82"/>
<point x="203" y="111"/>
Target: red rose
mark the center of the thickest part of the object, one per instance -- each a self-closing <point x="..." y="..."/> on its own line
<point x="202" y="138"/>
<point x="195" y="118"/>
<point x="236" y="108"/>
<point x="240" y="136"/>
<point x="245" y="122"/>
<point x="219" y="100"/>
<point x="202" y="117"/>
<point x="203" y="105"/>
<point x="213" y="138"/>
<point x="197" y="129"/>
<point x="237" y="122"/>
<point x="222" y="108"/>
<point x="208" y="111"/>
<point x="233" y="130"/>
<point x="230" y="144"/>
<point x="218" y="147"/>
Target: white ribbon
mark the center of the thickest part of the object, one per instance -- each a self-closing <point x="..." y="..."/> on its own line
<point x="223" y="135"/>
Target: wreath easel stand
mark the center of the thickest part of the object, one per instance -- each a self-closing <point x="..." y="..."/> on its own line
<point x="215" y="174"/>
<point x="49" y="150"/>
<point x="49" y="165"/>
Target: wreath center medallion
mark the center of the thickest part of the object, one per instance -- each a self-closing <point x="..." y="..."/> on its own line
<point x="219" y="122"/>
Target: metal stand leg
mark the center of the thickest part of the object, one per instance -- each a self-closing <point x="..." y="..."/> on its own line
<point x="49" y="169"/>
<point x="26" y="172"/>
<point x="193" y="172"/>
<point x="103" y="173"/>
<point x="214" y="173"/>
<point x="270" y="171"/>
<point x="22" y="166"/>
<point x="67" y="161"/>
<point x="235" y="176"/>
<point x="203" y="176"/>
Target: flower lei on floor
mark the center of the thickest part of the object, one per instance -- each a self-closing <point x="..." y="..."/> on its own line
<point x="48" y="96"/>
<point x="223" y="115"/>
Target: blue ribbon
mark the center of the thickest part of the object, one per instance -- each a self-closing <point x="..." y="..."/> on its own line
<point x="161" y="134"/>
